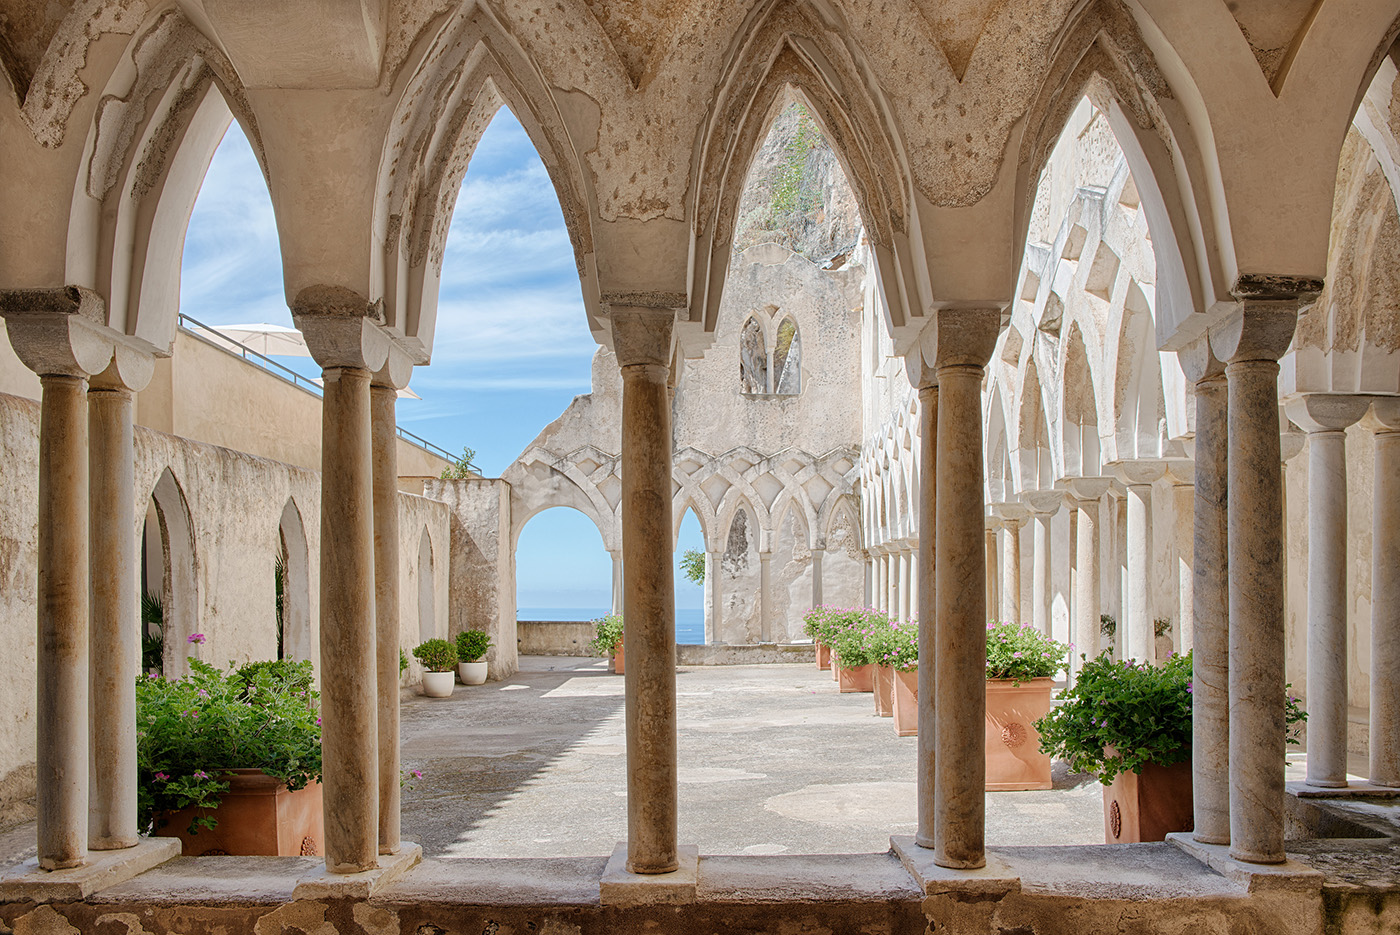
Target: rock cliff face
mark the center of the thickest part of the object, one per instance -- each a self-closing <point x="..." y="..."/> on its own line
<point x="797" y="194"/>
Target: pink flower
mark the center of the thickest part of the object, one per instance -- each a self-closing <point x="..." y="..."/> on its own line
<point x="416" y="773"/>
<point x="318" y="722"/>
<point x="162" y="776"/>
<point x="195" y="638"/>
<point x="200" y="774"/>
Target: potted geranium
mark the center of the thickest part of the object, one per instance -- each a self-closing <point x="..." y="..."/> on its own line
<point x="902" y="656"/>
<point x="607" y="641"/>
<point x="1021" y="663"/>
<point x="439" y="659"/>
<point x="881" y="642"/>
<point x="471" y="646"/>
<point x="815" y="623"/>
<point x="852" y="649"/>
<point x="230" y="763"/>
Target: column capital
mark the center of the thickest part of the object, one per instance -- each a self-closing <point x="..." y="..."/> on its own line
<point x="1198" y="361"/>
<point x="1385" y="414"/>
<point x="1327" y="412"/>
<point x="955" y="337"/>
<point x="1261" y="326"/>
<point x="58" y="332"/>
<point x="342" y="328"/>
<point x="1086" y="489"/>
<point x="643" y="335"/>
<point x="1043" y="502"/>
<point x="1009" y="513"/>
<point x="1138" y="472"/>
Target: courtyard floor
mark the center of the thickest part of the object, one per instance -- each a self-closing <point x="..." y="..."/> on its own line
<point x="773" y="760"/>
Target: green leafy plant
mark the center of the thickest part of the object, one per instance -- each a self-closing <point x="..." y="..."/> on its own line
<point x="899" y="646"/>
<point x="437" y="655"/>
<point x="152" y="633"/>
<point x="1108" y="625"/>
<point x="462" y="468"/>
<point x="607" y="635"/>
<point x="857" y="636"/>
<point x="692" y="565"/>
<point x="472" y="645"/>
<point x="403" y="662"/>
<point x="279" y="583"/>
<point x="1020" y="651"/>
<point x="1161" y="626"/>
<point x="190" y="731"/>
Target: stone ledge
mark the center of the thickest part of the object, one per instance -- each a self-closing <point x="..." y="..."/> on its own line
<point x="1289" y="875"/>
<point x="621" y="887"/>
<point x="322" y="884"/>
<point x="995" y="879"/>
<point x="27" y="883"/>
<point x="1355" y="788"/>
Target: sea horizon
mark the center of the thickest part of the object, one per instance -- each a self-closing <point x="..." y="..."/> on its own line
<point x="690" y="621"/>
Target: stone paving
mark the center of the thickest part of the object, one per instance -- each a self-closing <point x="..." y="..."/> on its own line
<point x="773" y="760"/>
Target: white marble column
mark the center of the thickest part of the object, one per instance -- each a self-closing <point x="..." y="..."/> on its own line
<point x="714" y="595"/>
<point x="925" y="774"/>
<point x="993" y="573"/>
<point x="1385" y="600"/>
<point x="906" y="583"/>
<point x="892" y="583"/>
<point x="818" y="556"/>
<point x="1252" y="340"/>
<point x="1088" y="601"/>
<point x="1325" y="418"/>
<point x="1043" y="505"/>
<point x="765" y="597"/>
<point x="965" y="340"/>
<point x="1140" y="641"/>
<point x="644" y="343"/>
<point x="115" y="632"/>
<point x="1012" y="517"/>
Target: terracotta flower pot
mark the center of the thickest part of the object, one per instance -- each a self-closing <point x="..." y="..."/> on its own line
<point x="857" y="679"/>
<point x="1146" y="805"/>
<point x="884" y="691"/>
<point x="1014" y="760"/>
<point x="258" y="816"/>
<point x="823" y="655"/>
<point x="615" y="660"/>
<point x="906" y="702"/>
<point x="835" y="668"/>
<point x="439" y="684"/>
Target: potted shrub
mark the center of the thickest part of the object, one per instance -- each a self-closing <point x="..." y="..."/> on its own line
<point x="1021" y="662"/>
<point x="230" y="763"/>
<point x="607" y="641"/>
<point x="851" y="646"/>
<point x="439" y="659"/>
<point x="471" y="646"/>
<point x="902" y="656"/>
<point x="815" y="623"/>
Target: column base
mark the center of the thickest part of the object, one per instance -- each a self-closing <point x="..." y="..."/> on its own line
<point x="1289" y="875"/>
<point x="621" y="887"/>
<point x="322" y="884"/>
<point x="103" y="869"/>
<point x="995" y="879"/>
<point x="1355" y="788"/>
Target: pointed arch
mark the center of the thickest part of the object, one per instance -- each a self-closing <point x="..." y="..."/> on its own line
<point x="1138" y="403"/>
<point x="152" y="136"/>
<point x="1079" y="417"/>
<point x="787" y="49"/>
<point x="295" y="612"/>
<point x="787" y="358"/>
<point x="753" y="358"/>
<point x="427" y="606"/>
<point x="470" y="69"/>
<point x="178" y="560"/>
<point x="999" y="486"/>
<point x="1035" y="470"/>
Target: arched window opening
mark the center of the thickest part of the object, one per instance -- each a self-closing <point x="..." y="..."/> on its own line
<point x="694" y="613"/>
<point x="168" y="603"/>
<point x="753" y="359"/>
<point x="787" y="360"/>
<point x="294" y="637"/>
<point x="427" y="605"/>
<point x="563" y="572"/>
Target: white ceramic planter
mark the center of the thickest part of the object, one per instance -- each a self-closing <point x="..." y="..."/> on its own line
<point x="438" y="684"/>
<point x="472" y="673"/>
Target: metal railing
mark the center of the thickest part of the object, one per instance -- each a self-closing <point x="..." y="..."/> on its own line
<point x="259" y="359"/>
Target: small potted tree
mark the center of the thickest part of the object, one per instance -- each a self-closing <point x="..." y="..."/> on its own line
<point x="471" y="646"/>
<point x="439" y="659"/>
<point x="607" y="641"/>
<point x="230" y="762"/>
<point x="1021" y="662"/>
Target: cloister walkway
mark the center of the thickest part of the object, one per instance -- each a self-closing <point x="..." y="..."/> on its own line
<point x="773" y="760"/>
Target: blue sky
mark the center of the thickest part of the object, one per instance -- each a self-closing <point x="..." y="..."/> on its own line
<point x="512" y="346"/>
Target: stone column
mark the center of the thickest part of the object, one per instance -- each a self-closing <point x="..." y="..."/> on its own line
<point x="1385" y="600"/>
<point x="1137" y="476"/>
<point x="1325" y="418"/>
<point x="643" y="341"/>
<point x="1210" y="595"/>
<point x="384" y="430"/>
<point x="993" y="597"/>
<point x="818" y="554"/>
<point x="616" y="555"/>
<point x="1012" y="517"/>
<point x="714" y="592"/>
<point x="925" y="773"/>
<point x="1043" y="505"/>
<point x="57" y="333"/>
<point x="765" y="596"/>
<point x="1088" y="492"/>
<point x="350" y="347"/>
<point x="115" y="629"/>
<point x="906" y="583"/>
<point x="1251" y="341"/>
<point x="965" y="340"/>
<point x="892" y="597"/>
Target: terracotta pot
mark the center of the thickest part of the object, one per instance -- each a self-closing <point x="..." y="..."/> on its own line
<point x="472" y="673"/>
<point x="884" y="691"/>
<point x="258" y="816"/>
<point x="906" y="702"/>
<point x="615" y="660"/>
<point x="1145" y="805"/>
<point x="857" y="679"/>
<point x="823" y="655"/>
<point x="439" y="684"/>
<point x="835" y="668"/>
<point x="1014" y="760"/>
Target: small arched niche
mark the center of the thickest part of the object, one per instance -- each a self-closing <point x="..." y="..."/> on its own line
<point x="294" y="599"/>
<point x="427" y="607"/>
<point x="753" y="359"/>
<point x="169" y="599"/>
<point x="787" y="359"/>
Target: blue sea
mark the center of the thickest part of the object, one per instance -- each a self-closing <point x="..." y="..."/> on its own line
<point x="690" y="621"/>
